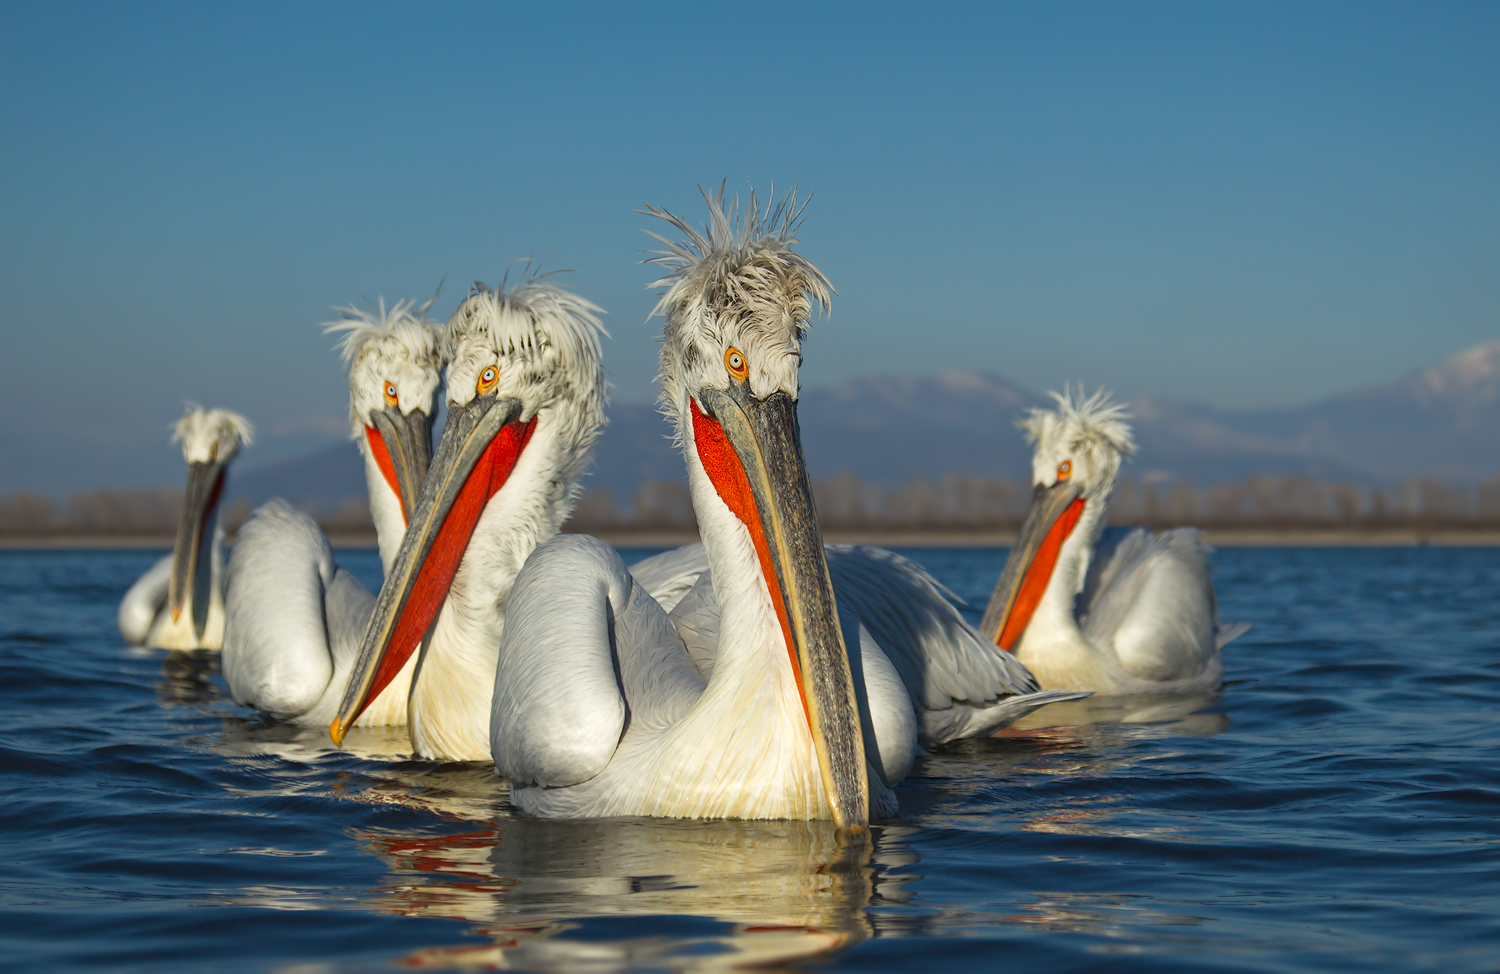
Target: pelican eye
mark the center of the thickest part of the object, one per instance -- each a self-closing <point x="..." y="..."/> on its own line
<point x="391" y="399"/>
<point x="1065" y="470"/>
<point x="487" y="380"/>
<point x="734" y="361"/>
<point x="213" y="452"/>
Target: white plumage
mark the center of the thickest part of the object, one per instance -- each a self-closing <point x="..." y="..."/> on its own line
<point x="398" y="349"/>
<point x="1117" y="612"/>
<point x="191" y="616"/>
<point x="294" y="617"/>
<point x="530" y="351"/>
<point x="956" y="681"/>
<point x="759" y="694"/>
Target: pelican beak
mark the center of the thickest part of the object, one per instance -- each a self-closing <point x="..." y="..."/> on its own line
<point x="1053" y="515"/>
<point x="205" y="485"/>
<point x="752" y="451"/>
<point x="402" y="447"/>
<point x="481" y="443"/>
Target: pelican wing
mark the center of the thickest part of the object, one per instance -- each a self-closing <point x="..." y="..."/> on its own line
<point x="940" y="657"/>
<point x="962" y="685"/>
<point x="276" y="644"/>
<point x="670" y="575"/>
<point x="1228" y="632"/>
<point x="696" y="619"/>
<point x="144" y="601"/>
<point x="1116" y="548"/>
<point x="1152" y="600"/>
<point x="586" y="654"/>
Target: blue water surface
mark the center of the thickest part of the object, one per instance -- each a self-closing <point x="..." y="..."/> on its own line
<point x="1336" y="807"/>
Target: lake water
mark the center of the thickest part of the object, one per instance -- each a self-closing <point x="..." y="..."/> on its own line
<point x="1336" y="807"/>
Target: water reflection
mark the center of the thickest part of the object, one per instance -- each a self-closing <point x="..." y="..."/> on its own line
<point x="629" y="893"/>
<point x="679" y="895"/>
<point x="1100" y="914"/>
<point x="244" y="736"/>
<point x="683" y="895"/>
<point x="187" y="677"/>
<point x="1180" y="714"/>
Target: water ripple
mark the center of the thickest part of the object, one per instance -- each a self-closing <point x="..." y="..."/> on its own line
<point x="1334" y="808"/>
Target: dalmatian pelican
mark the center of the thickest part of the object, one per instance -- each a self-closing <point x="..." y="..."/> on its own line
<point x="179" y="602"/>
<point x="599" y="707"/>
<point x="1133" y="614"/>
<point x="294" y="616"/>
<point x="526" y="398"/>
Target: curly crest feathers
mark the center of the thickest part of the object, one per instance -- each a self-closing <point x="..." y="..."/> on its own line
<point x="736" y="279"/>
<point x="378" y="345"/>
<point x="405" y="320"/>
<point x="743" y="258"/>
<point x="528" y="315"/>
<point x="201" y="430"/>
<point x="1092" y="432"/>
<point x="1082" y="421"/>
<point x="544" y="339"/>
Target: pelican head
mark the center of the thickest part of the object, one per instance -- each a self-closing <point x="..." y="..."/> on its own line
<point x="1079" y="448"/>
<point x="525" y="376"/>
<point x="210" y="439"/>
<point x="737" y="303"/>
<point x="395" y="363"/>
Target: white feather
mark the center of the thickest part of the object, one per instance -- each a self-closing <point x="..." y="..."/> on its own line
<point x="294" y="622"/>
<point x="144" y="601"/>
<point x="206" y="436"/>
<point x="1136" y="613"/>
<point x="606" y="704"/>
<point x="543" y="340"/>
<point x="294" y="618"/>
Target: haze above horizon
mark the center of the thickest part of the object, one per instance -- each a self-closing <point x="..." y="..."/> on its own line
<point x="1242" y="206"/>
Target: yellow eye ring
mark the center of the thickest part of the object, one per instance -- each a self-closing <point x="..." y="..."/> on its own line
<point x="1065" y="470"/>
<point x="391" y="399"/>
<point x="487" y="380"/>
<point x="734" y="361"/>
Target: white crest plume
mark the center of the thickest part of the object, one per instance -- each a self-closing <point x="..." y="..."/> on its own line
<point x="361" y="326"/>
<point x="546" y="337"/>
<point x="1091" y="430"/>
<point x="391" y="342"/>
<point x="525" y="318"/>
<point x="1082" y="422"/>
<point x="200" y="430"/>
<point x="741" y="262"/>
<point x="739" y="271"/>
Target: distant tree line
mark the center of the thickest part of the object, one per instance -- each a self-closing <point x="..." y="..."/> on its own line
<point x="957" y="503"/>
<point x="144" y="514"/>
<point x="115" y="513"/>
<point x="846" y="503"/>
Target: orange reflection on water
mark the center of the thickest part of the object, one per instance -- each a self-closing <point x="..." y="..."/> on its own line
<point x="628" y="892"/>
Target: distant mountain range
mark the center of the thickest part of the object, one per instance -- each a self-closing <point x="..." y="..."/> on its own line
<point x="1442" y="422"/>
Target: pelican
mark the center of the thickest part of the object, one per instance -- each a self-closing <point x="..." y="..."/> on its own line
<point x="1133" y="615"/>
<point x="294" y="616"/>
<point x="179" y="602"/>
<point x="525" y="404"/>
<point x="598" y="707"/>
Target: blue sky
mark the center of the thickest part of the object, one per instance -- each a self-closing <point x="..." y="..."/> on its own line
<point x="1240" y="204"/>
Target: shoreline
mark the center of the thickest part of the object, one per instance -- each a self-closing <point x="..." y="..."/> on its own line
<point x="1405" y="538"/>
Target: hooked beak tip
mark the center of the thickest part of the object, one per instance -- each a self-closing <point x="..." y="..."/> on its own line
<point x="336" y="731"/>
